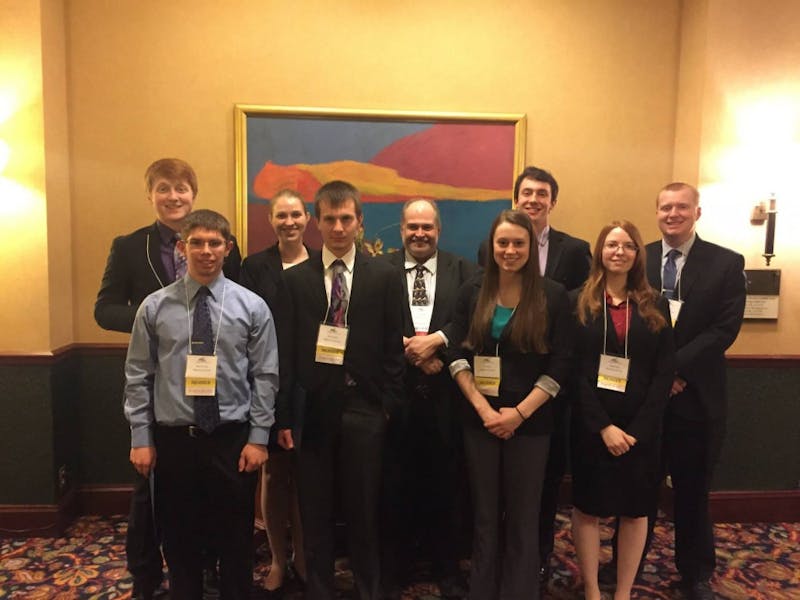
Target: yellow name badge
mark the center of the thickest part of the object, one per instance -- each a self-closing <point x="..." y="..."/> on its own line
<point x="613" y="373"/>
<point x="675" y="310"/>
<point x="201" y="375"/>
<point x="487" y="375"/>
<point x="331" y="344"/>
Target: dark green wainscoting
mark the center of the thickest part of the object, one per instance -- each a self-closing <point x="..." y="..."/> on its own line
<point x="64" y="441"/>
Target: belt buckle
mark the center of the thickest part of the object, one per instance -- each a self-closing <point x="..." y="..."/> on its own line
<point x="195" y="431"/>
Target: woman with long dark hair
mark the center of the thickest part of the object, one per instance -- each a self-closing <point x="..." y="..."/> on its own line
<point x="626" y="365"/>
<point x="509" y="360"/>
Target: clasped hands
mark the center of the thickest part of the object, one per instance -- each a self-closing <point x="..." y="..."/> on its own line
<point x="420" y="351"/>
<point x="616" y="440"/>
<point x="501" y="423"/>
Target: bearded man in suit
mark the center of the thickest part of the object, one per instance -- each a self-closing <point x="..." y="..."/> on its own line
<point x="423" y="456"/>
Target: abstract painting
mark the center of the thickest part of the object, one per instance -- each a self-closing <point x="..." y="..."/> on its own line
<point x="465" y="162"/>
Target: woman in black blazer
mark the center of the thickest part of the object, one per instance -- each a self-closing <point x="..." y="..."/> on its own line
<point x="626" y="364"/>
<point x="263" y="273"/>
<point x="509" y="355"/>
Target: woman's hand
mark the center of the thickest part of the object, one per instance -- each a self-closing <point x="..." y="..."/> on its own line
<point x="616" y="440"/>
<point x="504" y="423"/>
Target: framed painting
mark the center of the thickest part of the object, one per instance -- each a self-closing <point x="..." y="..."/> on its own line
<point x="465" y="162"/>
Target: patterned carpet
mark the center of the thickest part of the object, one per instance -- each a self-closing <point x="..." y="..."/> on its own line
<point x="756" y="562"/>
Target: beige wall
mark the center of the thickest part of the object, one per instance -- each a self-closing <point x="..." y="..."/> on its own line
<point x="148" y="79"/>
<point x="24" y="295"/>
<point x="621" y="96"/>
<point x="738" y="135"/>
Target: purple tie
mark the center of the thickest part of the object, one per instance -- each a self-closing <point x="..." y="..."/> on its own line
<point x="337" y="310"/>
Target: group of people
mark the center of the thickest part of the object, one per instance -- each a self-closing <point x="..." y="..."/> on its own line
<point x="373" y="383"/>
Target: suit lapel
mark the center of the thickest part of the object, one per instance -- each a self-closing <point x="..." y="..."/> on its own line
<point x="654" y="265"/>
<point x="153" y="250"/>
<point x="691" y="268"/>
<point x="360" y="280"/>
<point x="398" y="259"/>
<point x="554" y="250"/>
<point x="317" y="284"/>
<point x="446" y="281"/>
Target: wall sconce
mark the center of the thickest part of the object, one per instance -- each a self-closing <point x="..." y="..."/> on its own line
<point x="761" y="214"/>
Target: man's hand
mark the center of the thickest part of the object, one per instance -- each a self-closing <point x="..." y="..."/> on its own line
<point x="420" y="348"/>
<point x="432" y="366"/>
<point x="285" y="439"/>
<point x="252" y="457"/>
<point x="143" y="459"/>
<point x="678" y="385"/>
<point x="616" y="440"/>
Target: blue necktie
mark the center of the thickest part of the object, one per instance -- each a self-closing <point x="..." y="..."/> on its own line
<point x="206" y="408"/>
<point x="670" y="277"/>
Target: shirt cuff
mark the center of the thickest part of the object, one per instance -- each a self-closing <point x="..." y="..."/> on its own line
<point x="457" y="366"/>
<point x="548" y="384"/>
<point x="258" y="435"/>
<point x="444" y="337"/>
<point x="142" y="436"/>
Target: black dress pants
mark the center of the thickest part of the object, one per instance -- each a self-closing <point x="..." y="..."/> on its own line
<point x="347" y="460"/>
<point x="506" y="482"/>
<point x="142" y="544"/>
<point x="554" y="473"/>
<point x="201" y="498"/>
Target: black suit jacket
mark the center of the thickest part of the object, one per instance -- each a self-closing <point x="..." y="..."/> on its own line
<point x="374" y="354"/>
<point x="451" y="273"/>
<point x="639" y="409"/>
<point x="568" y="259"/>
<point x="519" y="370"/>
<point x="262" y="273"/>
<point x="134" y="271"/>
<point x="712" y="287"/>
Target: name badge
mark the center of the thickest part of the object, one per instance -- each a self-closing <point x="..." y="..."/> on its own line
<point x="675" y="310"/>
<point x="201" y="375"/>
<point x="613" y="373"/>
<point x="331" y="344"/>
<point x="421" y="318"/>
<point x="487" y="375"/>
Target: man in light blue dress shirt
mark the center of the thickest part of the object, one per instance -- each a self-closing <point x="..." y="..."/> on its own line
<point x="205" y="477"/>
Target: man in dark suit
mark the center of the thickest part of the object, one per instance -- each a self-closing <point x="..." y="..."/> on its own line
<point x="346" y="375"/>
<point x="564" y="259"/>
<point x="423" y="456"/>
<point x="705" y="285"/>
<point x="139" y="264"/>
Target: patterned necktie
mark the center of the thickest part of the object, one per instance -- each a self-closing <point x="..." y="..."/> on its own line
<point x="337" y="310"/>
<point x="178" y="259"/>
<point x="206" y="408"/>
<point x="670" y="274"/>
<point x="419" y="295"/>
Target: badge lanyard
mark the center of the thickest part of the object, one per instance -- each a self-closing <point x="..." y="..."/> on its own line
<point x="219" y="322"/>
<point x="487" y="369"/>
<point x="201" y="370"/>
<point x="612" y="373"/>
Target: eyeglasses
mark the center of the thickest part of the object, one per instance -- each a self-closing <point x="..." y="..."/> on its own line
<point x="629" y="247"/>
<point x="198" y="244"/>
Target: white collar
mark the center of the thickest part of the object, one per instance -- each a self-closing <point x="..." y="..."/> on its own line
<point x="348" y="259"/>
<point x="430" y="264"/>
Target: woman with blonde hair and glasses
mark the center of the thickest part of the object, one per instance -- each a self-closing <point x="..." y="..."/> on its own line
<point x="626" y="363"/>
<point x="509" y="355"/>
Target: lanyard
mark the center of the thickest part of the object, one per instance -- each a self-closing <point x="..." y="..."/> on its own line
<point x="219" y="322"/>
<point x="627" y="324"/>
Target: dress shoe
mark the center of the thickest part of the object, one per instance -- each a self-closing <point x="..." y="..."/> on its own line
<point x="699" y="590"/>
